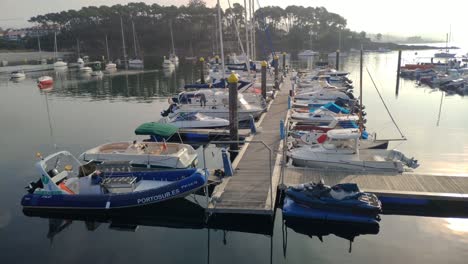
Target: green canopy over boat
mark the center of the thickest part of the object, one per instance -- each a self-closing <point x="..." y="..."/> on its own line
<point x="158" y="129"/>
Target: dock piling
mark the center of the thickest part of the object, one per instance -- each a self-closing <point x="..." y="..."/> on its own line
<point x="228" y="171"/>
<point x="233" y="118"/>
<point x="263" y="79"/>
<point x="398" y="74"/>
<point x="337" y="61"/>
<point x="202" y="72"/>
<point x="276" y="64"/>
<point x="284" y="63"/>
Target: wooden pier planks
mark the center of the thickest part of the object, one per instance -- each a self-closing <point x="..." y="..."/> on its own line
<point x="248" y="191"/>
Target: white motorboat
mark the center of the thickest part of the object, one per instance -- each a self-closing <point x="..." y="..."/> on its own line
<point x="341" y="151"/>
<point x="60" y="64"/>
<point x="111" y="67"/>
<point x="86" y="69"/>
<point x="167" y="64"/>
<point x="219" y="107"/>
<point x="302" y="138"/>
<point x="135" y="64"/>
<point x="149" y="154"/>
<point x="322" y="116"/>
<point x="215" y="96"/>
<point x="307" y="53"/>
<point x="17" y="75"/>
<point x="194" y="120"/>
<point x="324" y="94"/>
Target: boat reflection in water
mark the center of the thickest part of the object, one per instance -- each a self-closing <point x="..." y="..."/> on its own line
<point x="312" y="228"/>
<point x="177" y="213"/>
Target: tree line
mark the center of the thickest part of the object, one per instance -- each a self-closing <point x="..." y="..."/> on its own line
<point x="195" y="29"/>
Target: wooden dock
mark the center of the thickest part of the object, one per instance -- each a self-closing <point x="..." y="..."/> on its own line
<point x="407" y="185"/>
<point x="400" y="194"/>
<point x="253" y="187"/>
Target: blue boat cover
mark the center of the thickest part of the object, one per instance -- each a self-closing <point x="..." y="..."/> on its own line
<point x="292" y="209"/>
<point x="335" y="108"/>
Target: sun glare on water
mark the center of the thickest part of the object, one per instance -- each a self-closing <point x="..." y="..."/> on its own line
<point x="457" y="225"/>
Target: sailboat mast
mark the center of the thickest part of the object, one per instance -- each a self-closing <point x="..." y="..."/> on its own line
<point x="39" y="47"/>
<point x="123" y="44"/>
<point x="220" y="27"/>
<point x="134" y="40"/>
<point x="246" y="34"/>
<point x="55" y="46"/>
<point x="78" y="47"/>
<point x="361" y="123"/>
<point x="252" y="31"/>
<point x="172" y="37"/>
<point x="107" y="50"/>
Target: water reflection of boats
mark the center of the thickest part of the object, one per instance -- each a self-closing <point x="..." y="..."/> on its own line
<point x="177" y="213"/>
<point x="348" y="231"/>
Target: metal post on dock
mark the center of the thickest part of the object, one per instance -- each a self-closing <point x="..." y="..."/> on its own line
<point x="275" y="63"/>
<point x="202" y="72"/>
<point x="337" y="61"/>
<point x="263" y="79"/>
<point x="284" y="63"/>
<point x="398" y="73"/>
<point x="233" y="119"/>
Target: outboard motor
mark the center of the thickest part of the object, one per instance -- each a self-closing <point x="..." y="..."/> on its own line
<point x="351" y="96"/>
<point x="169" y="110"/>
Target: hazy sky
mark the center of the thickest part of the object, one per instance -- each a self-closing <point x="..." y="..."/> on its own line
<point x="406" y="17"/>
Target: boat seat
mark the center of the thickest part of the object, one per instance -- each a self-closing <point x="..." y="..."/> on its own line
<point x="59" y="177"/>
<point x="378" y="158"/>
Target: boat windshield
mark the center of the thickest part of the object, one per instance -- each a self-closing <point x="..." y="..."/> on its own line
<point x="59" y="162"/>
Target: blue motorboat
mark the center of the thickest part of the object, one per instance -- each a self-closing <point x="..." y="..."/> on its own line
<point x="65" y="183"/>
<point x="341" y="203"/>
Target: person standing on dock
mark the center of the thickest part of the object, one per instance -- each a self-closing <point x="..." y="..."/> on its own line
<point x="202" y="99"/>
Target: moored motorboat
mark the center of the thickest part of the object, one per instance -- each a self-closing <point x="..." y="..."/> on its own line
<point x="342" y="203"/>
<point x="17" y="75"/>
<point x="45" y="80"/>
<point x="194" y="120"/>
<point x="65" y="183"/>
<point x="341" y="151"/>
<point x="147" y="154"/>
<point x="367" y="141"/>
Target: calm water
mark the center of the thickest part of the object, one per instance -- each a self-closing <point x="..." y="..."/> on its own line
<point x="84" y="112"/>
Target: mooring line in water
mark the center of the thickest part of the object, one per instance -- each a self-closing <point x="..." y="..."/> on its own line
<point x="440" y="107"/>
<point x="50" y="122"/>
<point x="385" y="105"/>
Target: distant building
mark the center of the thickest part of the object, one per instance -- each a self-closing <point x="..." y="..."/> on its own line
<point x="32" y="32"/>
<point x="14" y="34"/>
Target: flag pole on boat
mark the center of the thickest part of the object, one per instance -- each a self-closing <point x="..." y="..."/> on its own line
<point x="360" y="91"/>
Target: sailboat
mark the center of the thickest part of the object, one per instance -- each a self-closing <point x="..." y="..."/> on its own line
<point x="59" y="63"/>
<point x="173" y="57"/>
<point x="110" y="66"/>
<point x="135" y="63"/>
<point x="446" y="53"/>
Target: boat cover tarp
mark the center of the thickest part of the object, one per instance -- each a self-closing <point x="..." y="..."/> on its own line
<point x="292" y="209"/>
<point x="335" y="108"/>
<point x="154" y="128"/>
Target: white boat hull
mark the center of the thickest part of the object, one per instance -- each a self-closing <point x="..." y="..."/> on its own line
<point x="224" y="113"/>
<point x="371" y="166"/>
